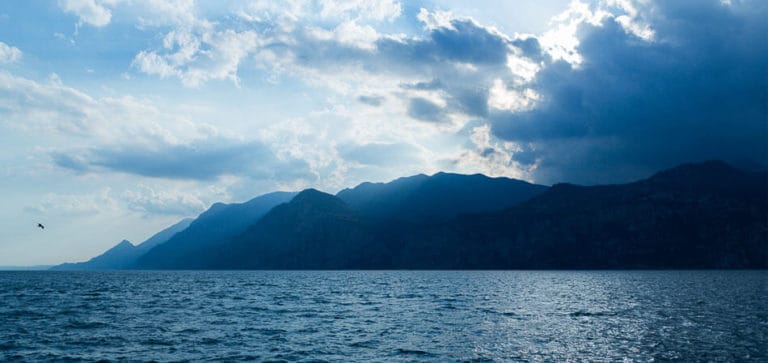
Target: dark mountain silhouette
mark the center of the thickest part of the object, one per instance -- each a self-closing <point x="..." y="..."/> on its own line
<point x="116" y="257"/>
<point x="124" y="254"/>
<point x="438" y="198"/>
<point x="314" y="231"/>
<point x="704" y="215"/>
<point x="304" y="232"/>
<point x="164" y="235"/>
<point x="218" y="224"/>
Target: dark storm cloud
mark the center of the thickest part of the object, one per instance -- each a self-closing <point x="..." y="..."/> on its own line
<point x="459" y="61"/>
<point x="530" y="47"/>
<point x="464" y="41"/>
<point x="698" y="91"/>
<point x="198" y="161"/>
<point x="438" y="57"/>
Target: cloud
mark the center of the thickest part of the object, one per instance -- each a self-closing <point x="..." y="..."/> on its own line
<point x="287" y="14"/>
<point x="368" y="10"/>
<point x="304" y="39"/>
<point x="200" y="160"/>
<point x="50" y="106"/>
<point x="9" y="54"/>
<point x="484" y="153"/>
<point x="198" y="55"/>
<point x="380" y="154"/>
<point x="153" y="202"/>
<point x="75" y="204"/>
<point x="371" y="100"/>
<point x="425" y="110"/>
<point x="163" y="143"/>
<point x="54" y="109"/>
<point x="197" y="50"/>
<point x="465" y="41"/>
<point x="634" y="103"/>
<point x="143" y="199"/>
<point x="502" y="98"/>
<point x="614" y="91"/>
<point x="457" y="60"/>
<point x="91" y="12"/>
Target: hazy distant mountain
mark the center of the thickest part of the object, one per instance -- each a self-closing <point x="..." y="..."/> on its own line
<point x="164" y="235"/>
<point x="437" y="198"/>
<point x="221" y="222"/>
<point x="124" y="254"/>
<point x="117" y="257"/>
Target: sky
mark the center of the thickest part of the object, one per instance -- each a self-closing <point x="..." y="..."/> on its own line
<point x="120" y="117"/>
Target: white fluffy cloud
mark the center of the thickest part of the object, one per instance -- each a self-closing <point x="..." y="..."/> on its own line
<point x="197" y="50"/>
<point x="488" y="155"/>
<point x="9" y="54"/>
<point x="198" y="55"/>
<point x="500" y="97"/>
<point x="93" y="12"/>
<point x="360" y="9"/>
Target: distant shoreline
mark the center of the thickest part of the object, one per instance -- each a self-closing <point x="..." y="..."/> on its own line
<point x="48" y="268"/>
<point x="25" y="268"/>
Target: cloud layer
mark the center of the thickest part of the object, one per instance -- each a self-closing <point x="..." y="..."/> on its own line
<point x="631" y="106"/>
<point x="113" y="111"/>
<point x="201" y="160"/>
<point x="614" y="91"/>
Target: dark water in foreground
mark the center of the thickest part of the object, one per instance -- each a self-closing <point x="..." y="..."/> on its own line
<point x="384" y="316"/>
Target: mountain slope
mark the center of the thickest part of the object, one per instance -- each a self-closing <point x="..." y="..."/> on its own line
<point x="191" y="247"/>
<point x="114" y="258"/>
<point x="164" y="235"/>
<point x="314" y="231"/>
<point x="124" y="254"/>
<point x="437" y="198"/>
<point x="706" y="215"/>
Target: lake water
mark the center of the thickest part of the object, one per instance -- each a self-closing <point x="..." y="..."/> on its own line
<point x="398" y="316"/>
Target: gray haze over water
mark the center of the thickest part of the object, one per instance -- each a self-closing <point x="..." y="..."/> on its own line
<point x="480" y="316"/>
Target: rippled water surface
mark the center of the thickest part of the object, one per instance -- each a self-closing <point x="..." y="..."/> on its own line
<point x="384" y="316"/>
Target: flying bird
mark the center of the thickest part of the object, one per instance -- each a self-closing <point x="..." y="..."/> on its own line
<point x="41" y="226"/>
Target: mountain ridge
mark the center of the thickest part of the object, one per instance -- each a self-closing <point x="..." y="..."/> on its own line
<point x="219" y="223"/>
<point x="125" y="253"/>
<point x="696" y="215"/>
<point x="437" y="198"/>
